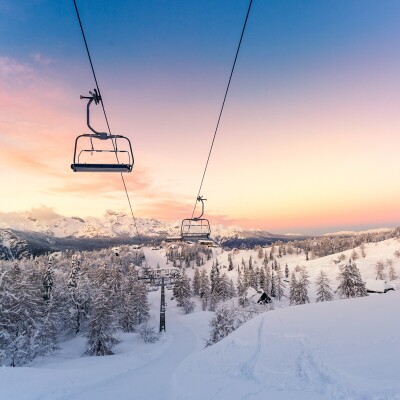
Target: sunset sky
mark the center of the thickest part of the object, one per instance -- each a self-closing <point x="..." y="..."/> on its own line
<point x="308" y="142"/>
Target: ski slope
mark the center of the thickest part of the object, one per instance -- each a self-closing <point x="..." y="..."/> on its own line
<point x="345" y="349"/>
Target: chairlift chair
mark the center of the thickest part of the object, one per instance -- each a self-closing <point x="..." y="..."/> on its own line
<point x="93" y="141"/>
<point x="197" y="228"/>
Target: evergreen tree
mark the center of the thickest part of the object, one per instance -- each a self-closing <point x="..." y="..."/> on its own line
<point x="302" y="287"/>
<point x="350" y="282"/>
<point x="100" y="336"/>
<point x="246" y="277"/>
<point x="379" y="268"/>
<point x="182" y="290"/>
<point x="241" y="289"/>
<point x="24" y="317"/>
<point x="280" y="285"/>
<point x="204" y="288"/>
<point x="293" y="289"/>
<point x="273" y="284"/>
<point x="196" y="282"/>
<point x="221" y="325"/>
<point x="392" y="273"/>
<point x="128" y="319"/>
<point x="230" y="262"/>
<point x="286" y="271"/>
<point x="268" y="280"/>
<point x="214" y="276"/>
<point x="262" y="279"/>
<point x="48" y="279"/>
<point x="324" y="291"/>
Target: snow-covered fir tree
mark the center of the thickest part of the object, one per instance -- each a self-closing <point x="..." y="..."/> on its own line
<point x="379" y="268"/>
<point x="392" y="275"/>
<point x="181" y="290"/>
<point x="262" y="278"/>
<point x="268" y="280"/>
<point x="204" y="287"/>
<point x="222" y="324"/>
<point x="350" y="281"/>
<point x="48" y="279"/>
<point x="196" y="282"/>
<point x="293" y="289"/>
<point x="280" y="285"/>
<point x="102" y="326"/>
<point x="324" y="291"/>
<point x="273" y="284"/>
<point x="302" y="287"/>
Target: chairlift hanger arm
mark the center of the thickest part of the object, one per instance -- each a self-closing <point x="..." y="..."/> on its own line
<point x="94" y="96"/>
<point x="200" y="198"/>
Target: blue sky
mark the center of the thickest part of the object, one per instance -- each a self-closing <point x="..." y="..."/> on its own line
<point x="310" y="121"/>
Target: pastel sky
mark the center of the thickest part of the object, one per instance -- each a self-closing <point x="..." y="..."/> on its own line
<point x="308" y="142"/>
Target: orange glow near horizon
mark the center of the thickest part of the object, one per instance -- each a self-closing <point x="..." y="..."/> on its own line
<point x="294" y="163"/>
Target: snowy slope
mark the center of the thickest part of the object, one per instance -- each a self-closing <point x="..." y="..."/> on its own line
<point x="346" y="349"/>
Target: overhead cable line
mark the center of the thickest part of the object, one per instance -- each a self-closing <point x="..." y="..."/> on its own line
<point x="105" y="115"/>
<point x="222" y="107"/>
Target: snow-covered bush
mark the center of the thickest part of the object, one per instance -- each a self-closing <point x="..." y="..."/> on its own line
<point x="148" y="333"/>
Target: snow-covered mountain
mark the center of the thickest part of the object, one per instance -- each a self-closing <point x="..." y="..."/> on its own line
<point x="111" y="224"/>
<point x="12" y="246"/>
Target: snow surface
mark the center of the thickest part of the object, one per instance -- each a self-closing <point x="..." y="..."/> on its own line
<point x="344" y="349"/>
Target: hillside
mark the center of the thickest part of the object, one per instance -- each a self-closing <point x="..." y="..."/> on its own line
<point x="343" y="349"/>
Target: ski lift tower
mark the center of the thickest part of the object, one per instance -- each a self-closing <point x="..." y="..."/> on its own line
<point x="162" y="305"/>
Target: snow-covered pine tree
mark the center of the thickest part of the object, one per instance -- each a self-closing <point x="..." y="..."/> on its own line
<point x="48" y="279"/>
<point x="253" y="278"/>
<point x="273" y="284"/>
<point x="241" y="289"/>
<point x="230" y="262"/>
<point x="286" y="271"/>
<point x="213" y="300"/>
<point x="77" y="299"/>
<point x="214" y="276"/>
<point x="361" y="290"/>
<point x="26" y="315"/>
<point x="379" y="268"/>
<point x="392" y="275"/>
<point x="102" y="327"/>
<point x="268" y="280"/>
<point x="246" y="276"/>
<point x="354" y="255"/>
<point x="196" y="282"/>
<point x="350" y="282"/>
<point x="141" y="302"/>
<point x="280" y="285"/>
<point x="302" y="287"/>
<point x="324" y="291"/>
<point x="181" y="289"/>
<point x="262" y="278"/>
<point x="293" y="289"/>
<point x="225" y="287"/>
<point x="221" y="325"/>
<point x="204" y="288"/>
<point x="128" y="319"/>
<point x="46" y="336"/>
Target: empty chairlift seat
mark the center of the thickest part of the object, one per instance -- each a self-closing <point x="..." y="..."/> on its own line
<point x="110" y="158"/>
<point x="100" y="151"/>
